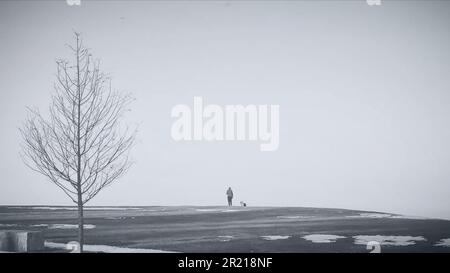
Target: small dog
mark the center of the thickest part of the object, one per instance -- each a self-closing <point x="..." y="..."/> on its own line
<point x="243" y="204"/>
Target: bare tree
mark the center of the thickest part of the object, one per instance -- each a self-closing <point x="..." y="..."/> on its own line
<point x="81" y="146"/>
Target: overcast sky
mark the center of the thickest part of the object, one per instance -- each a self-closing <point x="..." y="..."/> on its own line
<point x="363" y="92"/>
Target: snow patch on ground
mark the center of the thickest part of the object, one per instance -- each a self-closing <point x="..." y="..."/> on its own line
<point x="68" y="226"/>
<point x="106" y="249"/>
<point x="8" y="225"/>
<point x="388" y="240"/>
<point x="443" y="242"/>
<point x="275" y="237"/>
<point x="119" y="217"/>
<point x="409" y="217"/>
<point x="385" y="215"/>
<point x="322" y="238"/>
<point x="39" y="225"/>
<point x="225" y="238"/>
<point x="294" y="217"/>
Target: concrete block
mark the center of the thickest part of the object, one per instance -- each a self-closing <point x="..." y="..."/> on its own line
<point x="21" y="241"/>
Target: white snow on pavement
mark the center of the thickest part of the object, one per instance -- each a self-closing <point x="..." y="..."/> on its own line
<point x="275" y="237"/>
<point x="385" y="215"/>
<point x="322" y="238"/>
<point x="294" y="217"/>
<point x="225" y="238"/>
<point x="106" y="249"/>
<point x="443" y="242"/>
<point x="388" y="240"/>
<point x="69" y="226"/>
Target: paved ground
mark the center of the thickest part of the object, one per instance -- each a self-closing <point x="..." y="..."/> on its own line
<point x="236" y="229"/>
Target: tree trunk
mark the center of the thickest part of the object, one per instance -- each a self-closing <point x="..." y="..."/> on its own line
<point x="80" y="224"/>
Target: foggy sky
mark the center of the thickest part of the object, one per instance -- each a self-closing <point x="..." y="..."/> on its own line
<point x="363" y="92"/>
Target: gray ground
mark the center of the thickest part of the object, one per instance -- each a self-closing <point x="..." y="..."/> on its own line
<point x="209" y="229"/>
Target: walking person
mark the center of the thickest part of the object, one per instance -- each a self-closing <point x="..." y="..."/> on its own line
<point x="230" y="196"/>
